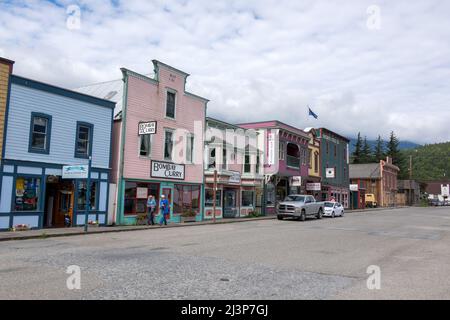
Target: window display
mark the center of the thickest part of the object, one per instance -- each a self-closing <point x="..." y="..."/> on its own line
<point x="248" y="198"/>
<point x="27" y="194"/>
<point x="82" y="192"/>
<point x="209" y="196"/>
<point x="136" y="196"/>
<point x="186" y="199"/>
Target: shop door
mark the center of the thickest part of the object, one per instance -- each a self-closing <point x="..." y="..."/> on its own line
<point x="63" y="205"/>
<point x="168" y="193"/>
<point x="229" y="203"/>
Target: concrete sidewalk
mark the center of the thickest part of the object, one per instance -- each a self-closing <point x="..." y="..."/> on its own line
<point x="64" y="232"/>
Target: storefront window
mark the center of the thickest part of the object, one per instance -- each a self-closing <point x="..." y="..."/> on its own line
<point x="186" y="199"/>
<point x="136" y="195"/>
<point x="82" y="192"/>
<point x="209" y="196"/>
<point x="270" y="194"/>
<point x="27" y="194"/>
<point x="248" y="198"/>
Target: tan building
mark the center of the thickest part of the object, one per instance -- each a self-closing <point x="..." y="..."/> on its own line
<point x="6" y="67"/>
<point x="313" y="182"/>
<point x="379" y="179"/>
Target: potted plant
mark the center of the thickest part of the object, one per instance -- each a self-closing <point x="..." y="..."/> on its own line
<point x="92" y="223"/>
<point x="188" y="215"/>
<point x="21" y="227"/>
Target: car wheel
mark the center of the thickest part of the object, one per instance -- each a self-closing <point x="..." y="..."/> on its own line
<point x="320" y="214"/>
<point x="342" y="213"/>
<point x="279" y="217"/>
<point x="303" y="216"/>
<point x="333" y="215"/>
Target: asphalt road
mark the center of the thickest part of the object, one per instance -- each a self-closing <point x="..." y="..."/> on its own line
<point x="267" y="259"/>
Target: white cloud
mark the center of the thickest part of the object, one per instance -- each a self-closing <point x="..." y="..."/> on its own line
<point x="257" y="60"/>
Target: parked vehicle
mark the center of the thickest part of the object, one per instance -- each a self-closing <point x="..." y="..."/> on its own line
<point x="333" y="209"/>
<point x="300" y="207"/>
<point x="371" y="201"/>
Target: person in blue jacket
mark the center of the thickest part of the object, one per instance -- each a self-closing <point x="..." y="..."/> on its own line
<point x="165" y="210"/>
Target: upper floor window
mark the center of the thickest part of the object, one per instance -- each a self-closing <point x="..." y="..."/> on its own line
<point x="316" y="162"/>
<point x="335" y="150"/>
<point x="224" y="155"/>
<point x="170" y="104"/>
<point x="282" y="150"/>
<point x="247" y="164"/>
<point x="83" y="144"/>
<point x="145" y="145"/>
<point x="168" y="145"/>
<point x="40" y="131"/>
<point x="190" y="148"/>
<point x="212" y="159"/>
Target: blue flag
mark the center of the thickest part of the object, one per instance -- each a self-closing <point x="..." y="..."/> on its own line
<point x="311" y="113"/>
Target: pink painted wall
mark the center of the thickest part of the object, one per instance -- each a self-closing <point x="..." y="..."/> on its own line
<point x="147" y="102"/>
<point x="115" y="150"/>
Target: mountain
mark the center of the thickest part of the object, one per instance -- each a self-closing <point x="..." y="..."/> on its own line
<point x="429" y="162"/>
<point x="403" y="145"/>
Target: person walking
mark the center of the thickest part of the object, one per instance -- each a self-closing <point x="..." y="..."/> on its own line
<point x="151" y="206"/>
<point x="165" y="210"/>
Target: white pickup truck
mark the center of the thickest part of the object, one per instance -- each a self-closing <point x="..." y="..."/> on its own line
<point x="300" y="206"/>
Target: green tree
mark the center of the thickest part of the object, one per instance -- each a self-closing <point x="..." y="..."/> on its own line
<point x="379" y="150"/>
<point x="397" y="157"/>
<point x="366" y="152"/>
<point x="358" y="150"/>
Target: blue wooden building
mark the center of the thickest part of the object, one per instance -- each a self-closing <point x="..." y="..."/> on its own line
<point x="46" y="128"/>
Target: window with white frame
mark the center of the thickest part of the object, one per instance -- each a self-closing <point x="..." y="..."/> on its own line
<point x="168" y="144"/>
<point x="282" y="150"/>
<point x="190" y="148"/>
<point x="170" y="104"/>
<point x="145" y="145"/>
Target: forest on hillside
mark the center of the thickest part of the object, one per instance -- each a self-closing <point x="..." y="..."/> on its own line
<point x="429" y="162"/>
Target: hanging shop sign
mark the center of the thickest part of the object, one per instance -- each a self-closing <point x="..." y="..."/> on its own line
<point x="271" y="149"/>
<point x="235" y="177"/>
<point x="167" y="170"/>
<point x="354" y="187"/>
<point x="147" y="127"/>
<point x="313" y="186"/>
<point x="330" y="173"/>
<point x="75" y="172"/>
<point x="296" y="181"/>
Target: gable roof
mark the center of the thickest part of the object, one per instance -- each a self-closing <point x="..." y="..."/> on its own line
<point x="364" y="171"/>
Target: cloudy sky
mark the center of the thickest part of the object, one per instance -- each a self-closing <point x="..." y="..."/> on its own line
<point x="369" y="66"/>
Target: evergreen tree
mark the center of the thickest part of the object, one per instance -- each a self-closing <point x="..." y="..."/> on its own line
<point x="358" y="149"/>
<point x="366" y="153"/>
<point x="379" y="150"/>
<point x="397" y="157"/>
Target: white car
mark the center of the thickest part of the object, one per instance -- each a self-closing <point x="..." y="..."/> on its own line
<point x="333" y="209"/>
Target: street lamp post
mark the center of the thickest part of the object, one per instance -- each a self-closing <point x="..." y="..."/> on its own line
<point x="88" y="195"/>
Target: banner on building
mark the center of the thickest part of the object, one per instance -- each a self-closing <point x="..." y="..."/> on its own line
<point x="296" y="181"/>
<point x="167" y="170"/>
<point x="271" y="149"/>
<point x="235" y="177"/>
<point x="75" y="172"/>
<point x="316" y="186"/>
<point x="147" y="127"/>
<point x="330" y="173"/>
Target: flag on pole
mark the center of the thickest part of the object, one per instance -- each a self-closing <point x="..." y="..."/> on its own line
<point x="311" y="113"/>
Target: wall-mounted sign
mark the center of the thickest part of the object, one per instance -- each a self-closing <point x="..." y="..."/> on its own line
<point x="354" y="187"/>
<point x="75" y="172"/>
<point x="445" y="190"/>
<point x="235" y="177"/>
<point x="141" y="193"/>
<point x="330" y="173"/>
<point x="147" y="127"/>
<point x="271" y="149"/>
<point x="315" y="186"/>
<point x="167" y="170"/>
<point x="296" y="181"/>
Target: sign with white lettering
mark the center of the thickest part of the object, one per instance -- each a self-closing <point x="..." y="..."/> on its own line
<point x="354" y="187"/>
<point x="445" y="190"/>
<point x="147" y="127"/>
<point x="330" y="173"/>
<point x="167" y="170"/>
<point x="316" y="186"/>
<point x="75" y="172"/>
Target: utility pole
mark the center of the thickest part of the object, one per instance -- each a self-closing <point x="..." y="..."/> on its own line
<point x="410" y="167"/>
<point x="214" y="196"/>
<point x="88" y="195"/>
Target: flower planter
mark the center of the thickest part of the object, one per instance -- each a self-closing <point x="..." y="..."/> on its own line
<point x="187" y="219"/>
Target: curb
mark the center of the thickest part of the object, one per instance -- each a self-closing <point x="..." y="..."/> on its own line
<point x="193" y="224"/>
